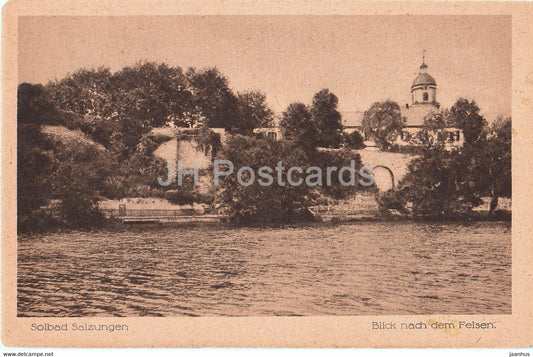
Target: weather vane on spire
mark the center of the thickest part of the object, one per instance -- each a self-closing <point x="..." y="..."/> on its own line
<point x="424" y="65"/>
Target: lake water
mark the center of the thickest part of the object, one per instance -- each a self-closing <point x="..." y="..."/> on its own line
<point x="356" y="269"/>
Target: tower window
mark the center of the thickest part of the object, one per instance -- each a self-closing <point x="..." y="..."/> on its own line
<point x="425" y="96"/>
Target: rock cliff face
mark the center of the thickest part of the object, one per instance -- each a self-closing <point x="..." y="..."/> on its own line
<point x="186" y="151"/>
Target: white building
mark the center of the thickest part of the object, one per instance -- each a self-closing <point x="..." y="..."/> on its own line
<point x="423" y="103"/>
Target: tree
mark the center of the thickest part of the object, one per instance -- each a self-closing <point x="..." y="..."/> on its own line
<point x="257" y="203"/>
<point x="433" y="133"/>
<point x="34" y="109"/>
<point x="34" y="106"/>
<point x="383" y="122"/>
<point x="84" y="92"/>
<point x="47" y="169"/>
<point x="439" y="181"/>
<point x="432" y="184"/>
<point x="448" y="183"/>
<point x="213" y="98"/>
<point x="78" y="181"/>
<point x="491" y="162"/>
<point x="336" y="158"/>
<point x="327" y="119"/>
<point x="464" y="114"/>
<point x="253" y="112"/>
<point x="117" y="109"/>
<point x="353" y="140"/>
<point x="298" y="126"/>
<point x="150" y="94"/>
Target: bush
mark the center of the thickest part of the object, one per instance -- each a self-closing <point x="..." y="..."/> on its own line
<point x="180" y="197"/>
<point x="80" y="210"/>
<point x="278" y="203"/>
<point x="36" y="221"/>
<point x="256" y="203"/>
<point x="353" y="140"/>
<point x="338" y="158"/>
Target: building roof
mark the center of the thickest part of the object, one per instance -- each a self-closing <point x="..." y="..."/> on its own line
<point x="424" y="78"/>
<point x="352" y="119"/>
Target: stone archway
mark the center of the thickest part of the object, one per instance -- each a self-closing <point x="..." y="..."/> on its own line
<point x="381" y="180"/>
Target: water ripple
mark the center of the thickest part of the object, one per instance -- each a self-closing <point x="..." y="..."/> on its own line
<point x="363" y="269"/>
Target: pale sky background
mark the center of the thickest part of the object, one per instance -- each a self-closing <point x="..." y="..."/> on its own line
<point x="362" y="59"/>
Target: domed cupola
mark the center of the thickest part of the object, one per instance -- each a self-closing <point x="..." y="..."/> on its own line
<point x="424" y="87"/>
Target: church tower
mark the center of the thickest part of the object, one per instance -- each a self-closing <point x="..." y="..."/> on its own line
<point x="424" y="88"/>
<point x="423" y="98"/>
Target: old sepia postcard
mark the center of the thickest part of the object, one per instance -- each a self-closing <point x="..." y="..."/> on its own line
<point x="266" y="174"/>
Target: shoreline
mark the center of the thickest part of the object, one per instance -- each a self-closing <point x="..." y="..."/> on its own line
<point x="114" y="225"/>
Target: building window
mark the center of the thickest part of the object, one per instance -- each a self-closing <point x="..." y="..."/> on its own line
<point x="426" y="97"/>
<point x="272" y="135"/>
<point x="406" y="136"/>
<point x="451" y="137"/>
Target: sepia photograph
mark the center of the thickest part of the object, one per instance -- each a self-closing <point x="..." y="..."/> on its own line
<point x="265" y="174"/>
<point x="263" y="166"/>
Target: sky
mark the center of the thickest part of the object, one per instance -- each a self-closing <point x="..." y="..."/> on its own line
<point x="361" y="59"/>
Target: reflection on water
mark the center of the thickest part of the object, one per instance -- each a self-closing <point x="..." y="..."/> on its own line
<point x="359" y="269"/>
